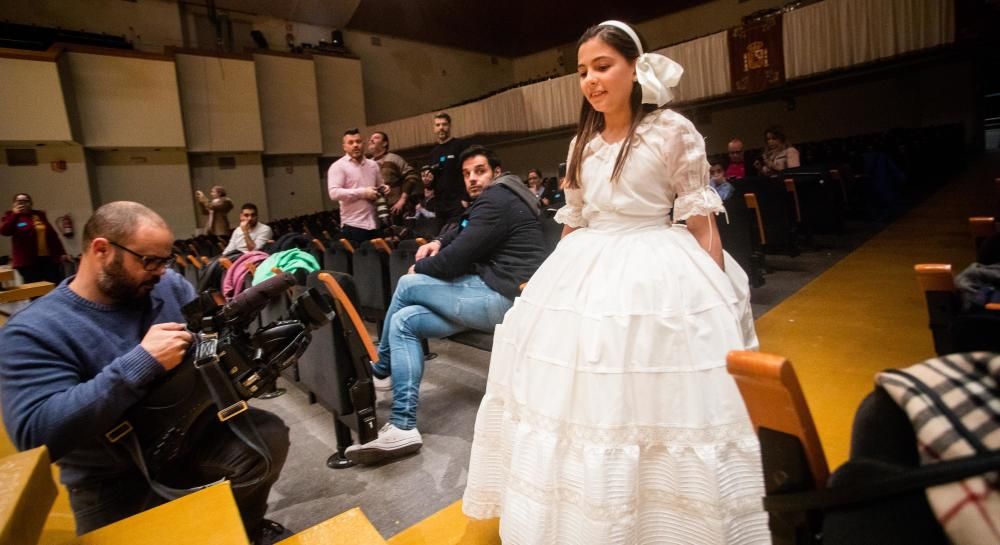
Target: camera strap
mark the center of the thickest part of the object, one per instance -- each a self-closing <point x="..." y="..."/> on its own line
<point x="233" y="410"/>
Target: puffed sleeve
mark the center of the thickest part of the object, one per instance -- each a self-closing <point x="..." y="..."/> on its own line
<point x="689" y="173"/>
<point x="572" y="213"/>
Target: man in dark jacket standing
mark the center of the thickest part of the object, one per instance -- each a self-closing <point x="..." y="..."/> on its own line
<point x="465" y="279"/>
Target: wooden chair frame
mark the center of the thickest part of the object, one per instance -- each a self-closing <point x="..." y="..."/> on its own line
<point x="774" y="399"/>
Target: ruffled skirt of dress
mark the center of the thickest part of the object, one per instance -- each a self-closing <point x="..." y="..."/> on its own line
<point x="609" y="417"/>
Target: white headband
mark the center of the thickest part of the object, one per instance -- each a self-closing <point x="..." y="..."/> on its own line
<point x="656" y="73"/>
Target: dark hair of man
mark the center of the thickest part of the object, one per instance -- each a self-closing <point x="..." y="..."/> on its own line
<point x="385" y="139"/>
<point x="351" y="132"/>
<point x="476" y="150"/>
<point x="221" y="190"/>
<point x="777" y="132"/>
<point x="16" y="195"/>
<point x="117" y="221"/>
<point x="536" y="171"/>
<point x="444" y="116"/>
<point x="249" y="206"/>
<point x="591" y="121"/>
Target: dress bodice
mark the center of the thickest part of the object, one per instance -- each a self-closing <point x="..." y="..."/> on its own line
<point x="666" y="169"/>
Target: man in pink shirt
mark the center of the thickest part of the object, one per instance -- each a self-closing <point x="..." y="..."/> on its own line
<point x="355" y="182"/>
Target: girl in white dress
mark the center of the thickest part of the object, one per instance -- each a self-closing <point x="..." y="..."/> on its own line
<point x="609" y="417"/>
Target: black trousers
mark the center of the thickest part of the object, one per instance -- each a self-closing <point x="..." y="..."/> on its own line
<point x="357" y="235"/>
<point x="43" y="271"/>
<point x="219" y="454"/>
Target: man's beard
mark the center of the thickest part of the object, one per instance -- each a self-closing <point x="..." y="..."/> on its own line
<point x="114" y="282"/>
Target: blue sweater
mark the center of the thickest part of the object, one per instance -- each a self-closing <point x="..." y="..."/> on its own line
<point x="70" y="368"/>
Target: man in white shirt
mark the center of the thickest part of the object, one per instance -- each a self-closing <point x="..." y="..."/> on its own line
<point x="250" y="235"/>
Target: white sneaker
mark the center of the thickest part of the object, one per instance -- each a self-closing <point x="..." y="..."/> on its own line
<point x="391" y="443"/>
<point x="382" y="384"/>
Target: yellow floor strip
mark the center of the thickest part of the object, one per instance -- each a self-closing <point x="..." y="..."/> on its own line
<point x="866" y="313"/>
<point x="450" y="527"/>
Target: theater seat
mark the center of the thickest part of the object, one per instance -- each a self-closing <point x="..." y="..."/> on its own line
<point x="981" y="228"/>
<point x="791" y="452"/>
<point x="23" y="292"/>
<point x="27" y="492"/>
<point x="206" y="516"/>
<point x="953" y="329"/>
<point x="336" y="367"/>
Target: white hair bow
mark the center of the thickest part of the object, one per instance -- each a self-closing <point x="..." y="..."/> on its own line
<point x="655" y="73"/>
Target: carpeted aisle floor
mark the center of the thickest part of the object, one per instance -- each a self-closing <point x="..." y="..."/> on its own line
<point x="867" y="313"/>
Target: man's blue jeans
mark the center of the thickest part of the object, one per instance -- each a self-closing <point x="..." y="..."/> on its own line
<point x="425" y="307"/>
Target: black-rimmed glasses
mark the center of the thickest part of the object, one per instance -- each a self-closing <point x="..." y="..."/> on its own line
<point x="149" y="262"/>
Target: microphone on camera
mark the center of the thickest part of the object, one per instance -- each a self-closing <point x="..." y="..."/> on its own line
<point x="254" y="299"/>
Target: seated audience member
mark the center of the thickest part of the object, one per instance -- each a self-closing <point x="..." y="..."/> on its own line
<point x="496" y="247"/>
<point x="717" y="179"/>
<point x="216" y="206"/>
<point x="75" y="361"/>
<point x="251" y="234"/>
<point x="537" y="185"/>
<point x="979" y="283"/>
<point x="35" y="245"/>
<point x="778" y="155"/>
<point x="938" y="411"/>
<point x="736" y="168"/>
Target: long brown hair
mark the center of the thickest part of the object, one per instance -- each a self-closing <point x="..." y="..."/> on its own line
<point x="592" y="121"/>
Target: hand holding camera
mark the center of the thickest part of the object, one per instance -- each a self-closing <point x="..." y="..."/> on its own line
<point x="167" y="343"/>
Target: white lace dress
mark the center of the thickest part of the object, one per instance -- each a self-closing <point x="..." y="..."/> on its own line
<point x="609" y="417"/>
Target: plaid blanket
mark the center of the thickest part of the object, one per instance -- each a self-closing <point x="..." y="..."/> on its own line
<point x="953" y="403"/>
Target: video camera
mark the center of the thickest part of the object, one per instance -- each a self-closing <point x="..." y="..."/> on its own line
<point x="226" y="366"/>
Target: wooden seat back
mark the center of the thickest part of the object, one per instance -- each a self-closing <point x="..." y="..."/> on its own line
<point x="27" y="493"/>
<point x="774" y="399"/>
<point x="206" y="516"/>
<point x="752" y="204"/>
<point x="981" y="228"/>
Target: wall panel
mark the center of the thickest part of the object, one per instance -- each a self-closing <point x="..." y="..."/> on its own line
<point x="293" y="186"/>
<point x="219" y="103"/>
<point x="126" y="101"/>
<point x="157" y="179"/>
<point x="289" y="107"/>
<point x="341" y="99"/>
<point x="32" y="105"/>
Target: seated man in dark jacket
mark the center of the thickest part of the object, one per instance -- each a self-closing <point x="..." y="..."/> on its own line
<point x="465" y="279"/>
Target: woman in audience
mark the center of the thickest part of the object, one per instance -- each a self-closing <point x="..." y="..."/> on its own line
<point x="537" y="184"/>
<point x="36" y="250"/>
<point x="217" y="208"/>
<point x="609" y="416"/>
<point x="778" y="155"/>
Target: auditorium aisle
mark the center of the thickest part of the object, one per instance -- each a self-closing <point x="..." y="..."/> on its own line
<point x="867" y="313"/>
